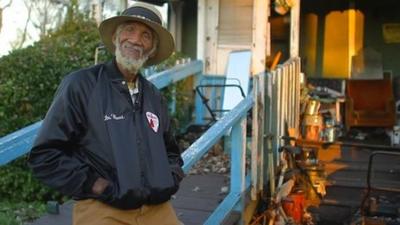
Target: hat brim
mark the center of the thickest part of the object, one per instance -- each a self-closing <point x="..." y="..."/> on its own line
<point x="165" y="40"/>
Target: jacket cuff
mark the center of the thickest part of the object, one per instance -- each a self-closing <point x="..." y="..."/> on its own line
<point x="175" y="159"/>
<point x="108" y="194"/>
<point x="177" y="171"/>
<point x="90" y="180"/>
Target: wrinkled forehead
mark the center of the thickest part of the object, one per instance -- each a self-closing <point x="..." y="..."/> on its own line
<point x="136" y="24"/>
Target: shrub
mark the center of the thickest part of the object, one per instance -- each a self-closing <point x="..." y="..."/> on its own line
<point x="30" y="76"/>
<point x="28" y="80"/>
<point x="12" y="213"/>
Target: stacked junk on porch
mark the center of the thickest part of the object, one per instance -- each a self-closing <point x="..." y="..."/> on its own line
<point x="345" y="167"/>
<point x="342" y="165"/>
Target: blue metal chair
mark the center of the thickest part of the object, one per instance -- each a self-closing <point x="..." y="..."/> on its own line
<point x="221" y="94"/>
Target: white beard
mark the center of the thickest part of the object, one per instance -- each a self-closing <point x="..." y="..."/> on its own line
<point x="129" y="64"/>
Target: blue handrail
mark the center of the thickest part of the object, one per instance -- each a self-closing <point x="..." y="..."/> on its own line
<point x="235" y="120"/>
<point x="214" y="133"/>
<point x="18" y="143"/>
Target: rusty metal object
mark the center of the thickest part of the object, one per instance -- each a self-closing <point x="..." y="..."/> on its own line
<point x="369" y="186"/>
<point x="293" y="206"/>
<point x="338" y="144"/>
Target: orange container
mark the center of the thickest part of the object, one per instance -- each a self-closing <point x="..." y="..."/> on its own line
<point x="293" y="206"/>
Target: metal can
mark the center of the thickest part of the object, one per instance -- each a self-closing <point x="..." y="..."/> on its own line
<point x="312" y="127"/>
<point x="330" y="130"/>
<point x="312" y="107"/>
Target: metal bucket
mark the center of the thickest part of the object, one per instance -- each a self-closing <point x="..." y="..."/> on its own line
<point x="312" y="107"/>
<point x="312" y="126"/>
<point x="330" y="131"/>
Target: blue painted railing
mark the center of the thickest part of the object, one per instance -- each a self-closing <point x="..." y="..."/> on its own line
<point x="19" y="143"/>
<point x="214" y="133"/>
<point x="236" y="121"/>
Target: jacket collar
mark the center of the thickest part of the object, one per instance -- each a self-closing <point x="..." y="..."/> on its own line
<point x="117" y="77"/>
<point x="114" y="73"/>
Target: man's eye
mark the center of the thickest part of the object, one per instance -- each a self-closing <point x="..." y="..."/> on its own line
<point x="146" y="36"/>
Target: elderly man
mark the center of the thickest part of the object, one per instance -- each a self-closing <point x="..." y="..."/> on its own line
<point x="106" y="139"/>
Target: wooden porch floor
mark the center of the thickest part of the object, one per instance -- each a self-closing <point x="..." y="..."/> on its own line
<point x="197" y="198"/>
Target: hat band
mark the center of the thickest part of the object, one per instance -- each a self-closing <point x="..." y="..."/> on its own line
<point x="142" y="13"/>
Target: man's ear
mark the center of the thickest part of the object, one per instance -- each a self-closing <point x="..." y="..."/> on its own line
<point x="113" y="38"/>
<point x="154" y="50"/>
<point x="153" y="53"/>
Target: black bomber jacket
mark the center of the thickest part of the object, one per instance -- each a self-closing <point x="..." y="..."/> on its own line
<point x="93" y="129"/>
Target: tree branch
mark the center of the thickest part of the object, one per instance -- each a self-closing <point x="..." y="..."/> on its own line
<point x="7" y="5"/>
<point x="1" y="13"/>
<point x="23" y="38"/>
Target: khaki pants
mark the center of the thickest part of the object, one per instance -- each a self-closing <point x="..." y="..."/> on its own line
<point x="93" y="212"/>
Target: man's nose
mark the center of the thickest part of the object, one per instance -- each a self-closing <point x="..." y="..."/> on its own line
<point x="135" y="39"/>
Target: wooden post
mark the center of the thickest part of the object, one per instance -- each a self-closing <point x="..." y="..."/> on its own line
<point x="261" y="37"/>
<point x="238" y="158"/>
<point x="211" y="44"/>
<point x="123" y="4"/>
<point x="255" y="138"/>
<point x="294" y="29"/>
<point x="97" y="11"/>
<point x="207" y="33"/>
<point x="201" y="32"/>
<point x="257" y="135"/>
<point x="176" y="23"/>
<point x="199" y="107"/>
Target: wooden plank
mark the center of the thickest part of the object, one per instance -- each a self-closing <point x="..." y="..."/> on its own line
<point x="238" y="156"/>
<point x="208" y="186"/>
<point x="295" y="29"/>
<point x="261" y="132"/>
<point x="255" y="135"/>
<point x="202" y="193"/>
<point x="201" y="29"/>
<point x="191" y="217"/>
<point x="195" y="203"/>
<point x="260" y="37"/>
<point x="211" y="30"/>
<point x="257" y="162"/>
<point x="64" y="218"/>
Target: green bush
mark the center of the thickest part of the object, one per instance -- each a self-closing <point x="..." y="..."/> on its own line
<point x="30" y="76"/>
<point x="183" y="93"/>
<point x="28" y="80"/>
<point x="12" y="213"/>
<point x="18" y="184"/>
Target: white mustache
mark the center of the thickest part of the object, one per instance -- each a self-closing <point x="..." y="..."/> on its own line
<point x="130" y="64"/>
<point x="136" y="47"/>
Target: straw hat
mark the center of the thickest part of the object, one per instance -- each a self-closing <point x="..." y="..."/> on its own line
<point x="144" y="13"/>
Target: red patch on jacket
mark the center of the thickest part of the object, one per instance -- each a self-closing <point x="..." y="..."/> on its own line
<point x="153" y="121"/>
